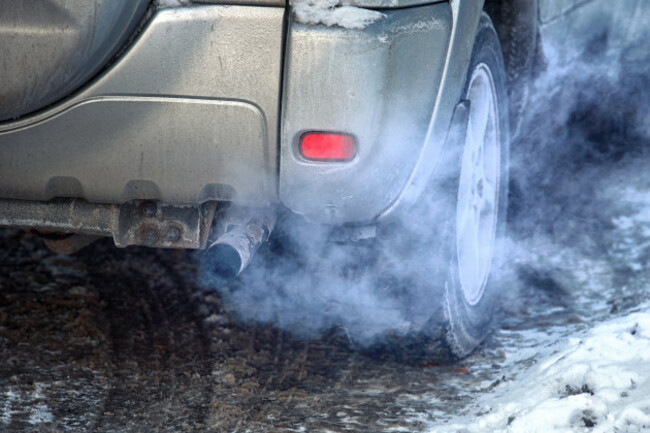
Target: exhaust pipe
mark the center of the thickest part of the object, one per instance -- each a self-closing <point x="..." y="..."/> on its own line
<point x="243" y="231"/>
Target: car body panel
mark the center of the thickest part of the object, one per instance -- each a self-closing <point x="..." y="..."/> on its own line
<point x="465" y="18"/>
<point x="378" y="84"/>
<point x="209" y="101"/>
<point x="396" y="95"/>
<point x="188" y="114"/>
<point x="178" y="150"/>
<point x="52" y="47"/>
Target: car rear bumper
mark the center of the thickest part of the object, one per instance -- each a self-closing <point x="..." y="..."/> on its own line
<point x="191" y="113"/>
<point x="378" y="84"/>
<point x="188" y="114"/>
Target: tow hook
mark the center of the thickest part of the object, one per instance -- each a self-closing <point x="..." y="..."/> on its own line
<point x="239" y="234"/>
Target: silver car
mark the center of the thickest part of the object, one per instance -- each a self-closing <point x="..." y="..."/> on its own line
<point x="191" y="124"/>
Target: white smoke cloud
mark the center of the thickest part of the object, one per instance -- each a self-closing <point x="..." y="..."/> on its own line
<point x="584" y="132"/>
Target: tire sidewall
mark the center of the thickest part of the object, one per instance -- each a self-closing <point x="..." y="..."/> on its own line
<point x="469" y="324"/>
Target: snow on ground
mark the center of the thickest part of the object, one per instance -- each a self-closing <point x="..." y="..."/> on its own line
<point x="592" y="375"/>
<point x="330" y="13"/>
<point x="596" y="380"/>
<point x="586" y="368"/>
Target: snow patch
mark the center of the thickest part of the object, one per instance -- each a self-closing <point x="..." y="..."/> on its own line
<point x="6" y="411"/>
<point x="596" y="380"/>
<point x="14" y="401"/>
<point x="40" y="414"/>
<point x="164" y="4"/>
<point x="330" y="13"/>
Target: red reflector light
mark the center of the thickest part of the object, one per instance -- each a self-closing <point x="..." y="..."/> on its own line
<point x="321" y="146"/>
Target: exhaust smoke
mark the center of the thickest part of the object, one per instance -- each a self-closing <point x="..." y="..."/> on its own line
<point x="578" y="164"/>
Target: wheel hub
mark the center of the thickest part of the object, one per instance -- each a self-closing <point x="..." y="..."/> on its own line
<point x="478" y="192"/>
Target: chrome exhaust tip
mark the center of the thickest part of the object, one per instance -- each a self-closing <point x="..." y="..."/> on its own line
<point x="225" y="260"/>
<point x="242" y="232"/>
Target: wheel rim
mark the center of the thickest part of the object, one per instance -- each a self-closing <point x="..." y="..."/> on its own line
<point x="478" y="191"/>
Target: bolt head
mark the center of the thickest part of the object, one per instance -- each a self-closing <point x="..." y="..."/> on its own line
<point x="150" y="237"/>
<point x="173" y="234"/>
<point x="149" y="209"/>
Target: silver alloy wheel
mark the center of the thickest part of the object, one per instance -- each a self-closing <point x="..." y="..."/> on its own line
<point x="478" y="191"/>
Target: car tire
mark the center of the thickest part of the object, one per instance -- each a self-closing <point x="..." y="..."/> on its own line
<point x="434" y="241"/>
<point x="517" y="24"/>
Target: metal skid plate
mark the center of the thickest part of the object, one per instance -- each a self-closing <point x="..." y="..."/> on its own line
<point x="158" y="225"/>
